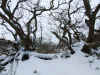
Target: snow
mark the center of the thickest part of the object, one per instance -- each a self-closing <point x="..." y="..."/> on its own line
<point x="76" y="64"/>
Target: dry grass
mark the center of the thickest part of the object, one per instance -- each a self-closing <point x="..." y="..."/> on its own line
<point x="46" y="51"/>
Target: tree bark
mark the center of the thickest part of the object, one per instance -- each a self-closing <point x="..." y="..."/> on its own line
<point x="90" y="23"/>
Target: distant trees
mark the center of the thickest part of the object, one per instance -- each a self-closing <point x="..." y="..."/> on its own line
<point x="67" y="29"/>
<point x="21" y="19"/>
<point x="69" y="26"/>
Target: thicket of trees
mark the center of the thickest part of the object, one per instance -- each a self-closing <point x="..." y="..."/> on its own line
<point x="20" y="18"/>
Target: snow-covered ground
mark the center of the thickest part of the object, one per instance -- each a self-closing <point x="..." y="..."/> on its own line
<point x="77" y="64"/>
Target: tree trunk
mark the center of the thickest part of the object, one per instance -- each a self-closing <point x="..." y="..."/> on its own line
<point x="91" y="24"/>
<point x="90" y="39"/>
<point x="27" y="43"/>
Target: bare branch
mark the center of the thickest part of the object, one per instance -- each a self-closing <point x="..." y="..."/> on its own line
<point x="87" y="7"/>
<point x="4" y="8"/>
<point x="16" y="7"/>
<point x="35" y="18"/>
<point x="96" y="10"/>
<point x="19" y="31"/>
<point x="76" y="10"/>
<point x="14" y="34"/>
<point x="98" y="17"/>
<point x="4" y="2"/>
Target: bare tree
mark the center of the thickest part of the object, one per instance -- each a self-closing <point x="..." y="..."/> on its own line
<point x="68" y="29"/>
<point x="20" y="18"/>
<point x="92" y="17"/>
<point x="12" y="17"/>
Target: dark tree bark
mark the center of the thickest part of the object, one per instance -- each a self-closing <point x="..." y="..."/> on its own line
<point x="90" y="23"/>
<point x="91" y="18"/>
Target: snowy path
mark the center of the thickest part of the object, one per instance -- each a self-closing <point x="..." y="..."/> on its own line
<point x="76" y="65"/>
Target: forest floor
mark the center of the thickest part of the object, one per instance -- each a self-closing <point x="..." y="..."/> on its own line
<point x="76" y="64"/>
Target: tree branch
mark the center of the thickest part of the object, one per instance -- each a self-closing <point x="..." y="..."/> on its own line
<point x="96" y="10"/>
<point x="87" y="8"/>
<point x="20" y="32"/>
<point x="16" y="7"/>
